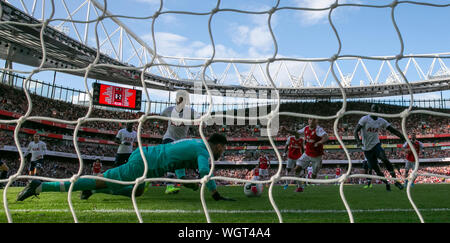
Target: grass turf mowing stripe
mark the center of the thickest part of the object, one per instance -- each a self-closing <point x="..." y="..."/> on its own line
<point x="231" y="211"/>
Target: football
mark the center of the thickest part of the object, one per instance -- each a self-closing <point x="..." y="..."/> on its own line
<point x="253" y="189"/>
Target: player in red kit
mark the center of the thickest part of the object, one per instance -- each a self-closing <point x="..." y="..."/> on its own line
<point x="410" y="160"/>
<point x="263" y="166"/>
<point x="294" y="149"/>
<point x="315" y="137"/>
<point x="338" y="172"/>
<point x="97" y="167"/>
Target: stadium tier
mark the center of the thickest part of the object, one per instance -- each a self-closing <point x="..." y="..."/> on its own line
<point x="96" y="139"/>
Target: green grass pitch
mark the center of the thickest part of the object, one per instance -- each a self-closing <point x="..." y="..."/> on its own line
<point x="317" y="204"/>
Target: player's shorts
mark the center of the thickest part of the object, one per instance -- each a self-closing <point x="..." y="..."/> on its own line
<point x="36" y="164"/>
<point x="263" y="172"/>
<point x="409" y="165"/>
<point x="290" y="163"/>
<point x="96" y="174"/>
<point x="121" y="159"/>
<point x="315" y="161"/>
<point x="167" y="140"/>
<point x="372" y="156"/>
<point x="129" y="171"/>
<point x="255" y="178"/>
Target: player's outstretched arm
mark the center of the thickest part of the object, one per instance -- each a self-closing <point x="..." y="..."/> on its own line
<point x="396" y="132"/>
<point x="356" y="135"/>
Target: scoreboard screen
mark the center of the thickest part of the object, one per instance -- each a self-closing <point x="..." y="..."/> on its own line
<point x="119" y="97"/>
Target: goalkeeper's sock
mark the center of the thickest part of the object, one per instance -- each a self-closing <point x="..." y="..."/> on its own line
<point x="106" y="191"/>
<point x="80" y="185"/>
<point x="128" y="190"/>
<point x="124" y="191"/>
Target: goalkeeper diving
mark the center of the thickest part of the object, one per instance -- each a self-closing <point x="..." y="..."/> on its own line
<point x="182" y="154"/>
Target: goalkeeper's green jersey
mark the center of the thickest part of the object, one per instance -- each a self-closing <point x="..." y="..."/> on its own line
<point x="181" y="154"/>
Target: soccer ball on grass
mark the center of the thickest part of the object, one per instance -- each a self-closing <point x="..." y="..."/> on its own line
<point x="253" y="189"/>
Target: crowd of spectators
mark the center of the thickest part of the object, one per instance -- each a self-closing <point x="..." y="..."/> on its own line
<point x="234" y="156"/>
<point x="57" y="168"/>
<point x="57" y="145"/>
<point x="14" y="100"/>
<point x="253" y="155"/>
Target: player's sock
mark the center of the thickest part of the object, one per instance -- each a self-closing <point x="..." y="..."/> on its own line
<point x="80" y="185"/>
<point x="392" y="174"/>
<point x="300" y="184"/>
<point x="287" y="182"/>
<point x="3" y="174"/>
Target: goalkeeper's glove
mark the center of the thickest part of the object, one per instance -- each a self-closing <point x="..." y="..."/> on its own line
<point x="216" y="196"/>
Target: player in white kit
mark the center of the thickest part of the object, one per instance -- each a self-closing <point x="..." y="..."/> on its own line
<point x="369" y="126"/>
<point x="177" y="130"/>
<point x="126" y="138"/>
<point x="38" y="149"/>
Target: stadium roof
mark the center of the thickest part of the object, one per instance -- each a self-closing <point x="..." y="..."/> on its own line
<point x="20" y="42"/>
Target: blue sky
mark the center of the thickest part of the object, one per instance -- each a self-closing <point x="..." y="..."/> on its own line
<point x="299" y="34"/>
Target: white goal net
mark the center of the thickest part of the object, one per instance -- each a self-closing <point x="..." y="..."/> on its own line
<point x="157" y="65"/>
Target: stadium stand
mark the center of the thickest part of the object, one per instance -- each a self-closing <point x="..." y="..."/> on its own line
<point x="96" y="138"/>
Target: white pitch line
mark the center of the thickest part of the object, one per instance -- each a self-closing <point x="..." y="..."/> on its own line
<point x="162" y="211"/>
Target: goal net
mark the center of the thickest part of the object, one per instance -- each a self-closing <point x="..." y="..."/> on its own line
<point x="202" y="85"/>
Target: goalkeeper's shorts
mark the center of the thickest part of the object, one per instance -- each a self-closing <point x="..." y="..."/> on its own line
<point x="133" y="169"/>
